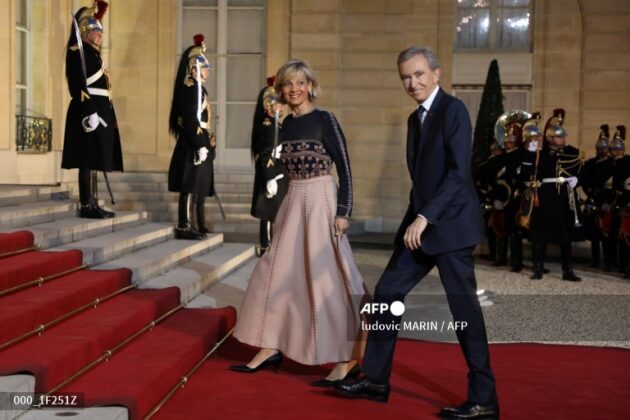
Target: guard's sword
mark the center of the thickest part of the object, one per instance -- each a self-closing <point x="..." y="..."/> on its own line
<point x="77" y="34"/>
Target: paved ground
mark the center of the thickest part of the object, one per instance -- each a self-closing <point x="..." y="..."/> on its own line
<point x="595" y="311"/>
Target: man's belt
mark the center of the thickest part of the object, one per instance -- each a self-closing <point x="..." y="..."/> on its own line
<point x="98" y="92"/>
<point x="559" y="180"/>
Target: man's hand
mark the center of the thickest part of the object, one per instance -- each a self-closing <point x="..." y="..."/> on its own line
<point x="414" y="232"/>
<point x="341" y="225"/>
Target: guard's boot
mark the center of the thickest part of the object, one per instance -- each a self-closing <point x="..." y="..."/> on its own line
<point x="538" y="257"/>
<point x="502" y="244"/>
<point x="106" y="214"/>
<point x="201" y="215"/>
<point x="184" y="229"/>
<point x="567" y="267"/>
<point x="87" y="209"/>
<point x="516" y="251"/>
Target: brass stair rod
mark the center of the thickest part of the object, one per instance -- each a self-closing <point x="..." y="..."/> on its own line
<point x="184" y="380"/>
<point x="43" y="327"/>
<point x="19" y="251"/>
<point x="40" y="281"/>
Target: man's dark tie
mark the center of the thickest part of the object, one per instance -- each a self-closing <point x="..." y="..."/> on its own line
<point x="419" y="113"/>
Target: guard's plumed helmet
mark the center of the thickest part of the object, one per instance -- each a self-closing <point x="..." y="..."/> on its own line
<point x="89" y="18"/>
<point x="530" y="128"/>
<point x="196" y="56"/>
<point x="617" y="141"/>
<point x="554" y="126"/>
<point x="604" y="135"/>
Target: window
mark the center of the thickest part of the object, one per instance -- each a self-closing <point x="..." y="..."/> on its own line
<point x="22" y="65"/>
<point x="515" y="97"/>
<point x="493" y="25"/>
<point x="235" y="41"/>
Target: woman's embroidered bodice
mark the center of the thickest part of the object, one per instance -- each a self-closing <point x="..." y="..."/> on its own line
<point x="311" y="143"/>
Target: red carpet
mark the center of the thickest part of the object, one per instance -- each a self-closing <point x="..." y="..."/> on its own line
<point x="55" y="299"/>
<point x="535" y="381"/>
<point x="15" y="241"/>
<point x="143" y="373"/>
<point x="23" y="268"/>
<point x="71" y="345"/>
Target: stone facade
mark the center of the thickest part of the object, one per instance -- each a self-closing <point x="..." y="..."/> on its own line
<point x="580" y="61"/>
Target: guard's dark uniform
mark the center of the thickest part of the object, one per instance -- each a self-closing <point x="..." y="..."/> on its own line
<point x="191" y="171"/>
<point x="483" y="184"/>
<point x="596" y="182"/>
<point x="100" y="149"/>
<point x="620" y="225"/>
<point x="267" y="168"/>
<point x="499" y="193"/>
<point x="184" y="176"/>
<point x="513" y="160"/>
<point x="557" y="218"/>
<point x="87" y="148"/>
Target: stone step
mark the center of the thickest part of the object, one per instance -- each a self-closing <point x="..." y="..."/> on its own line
<point x="162" y="177"/>
<point x="158" y="259"/>
<point x="89" y="413"/>
<point x="230" y="290"/>
<point x="11" y="195"/>
<point x="124" y="197"/>
<point x="74" y="229"/>
<point x="203" y="271"/>
<point x="28" y="214"/>
<point x="113" y="245"/>
<point x="10" y="386"/>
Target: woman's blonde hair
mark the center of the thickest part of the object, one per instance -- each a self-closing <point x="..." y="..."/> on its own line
<point x="290" y="69"/>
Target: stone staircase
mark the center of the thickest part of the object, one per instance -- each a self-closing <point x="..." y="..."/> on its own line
<point x="149" y="192"/>
<point x="139" y="238"/>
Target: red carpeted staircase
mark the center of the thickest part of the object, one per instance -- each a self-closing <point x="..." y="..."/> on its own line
<point x="92" y="332"/>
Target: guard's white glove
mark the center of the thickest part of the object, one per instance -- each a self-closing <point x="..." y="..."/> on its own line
<point x="497" y="204"/>
<point x="203" y="154"/>
<point x="532" y="146"/>
<point x="572" y="181"/>
<point x="276" y="152"/>
<point x="90" y="122"/>
<point x="272" y="186"/>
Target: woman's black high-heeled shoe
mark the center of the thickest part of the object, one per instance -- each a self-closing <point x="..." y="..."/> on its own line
<point x="274" y="360"/>
<point x="353" y="373"/>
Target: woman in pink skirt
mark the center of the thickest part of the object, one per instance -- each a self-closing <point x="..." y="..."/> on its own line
<point x="304" y="296"/>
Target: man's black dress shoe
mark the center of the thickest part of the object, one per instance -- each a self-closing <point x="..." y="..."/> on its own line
<point x="352" y="373"/>
<point x="363" y="388"/>
<point x="470" y="410"/>
<point x="274" y="361"/>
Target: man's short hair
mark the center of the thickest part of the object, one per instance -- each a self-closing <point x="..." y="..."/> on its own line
<point x="426" y="52"/>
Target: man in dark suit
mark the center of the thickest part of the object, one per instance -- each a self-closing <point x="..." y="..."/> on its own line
<point x="441" y="227"/>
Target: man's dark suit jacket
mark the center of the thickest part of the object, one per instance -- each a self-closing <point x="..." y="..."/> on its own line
<point x="443" y="190"/>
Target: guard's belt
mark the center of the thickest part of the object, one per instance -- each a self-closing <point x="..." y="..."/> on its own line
<point x="558" y="180"/>
<point x="98" y="92"/>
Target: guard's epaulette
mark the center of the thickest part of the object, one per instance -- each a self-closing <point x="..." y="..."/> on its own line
<point x="74" y="47"/>
<point x="266" y="122"/>
<point x="189" y="82"/>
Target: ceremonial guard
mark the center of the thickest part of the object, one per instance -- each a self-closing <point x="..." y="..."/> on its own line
<point x="596" y="180"/>
<point x="513" y="159"/>
<point x="191" y="171"/>
<point x="483" y="184"/>
<point x="498" y="196"/>
<point x="620" y="227"/>
<point x="91" y="140"/>
<point x="270" y="185"/>
<point x="557" y="217"/>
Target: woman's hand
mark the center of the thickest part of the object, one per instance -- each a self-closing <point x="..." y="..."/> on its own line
<point x="341" y="225"/>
